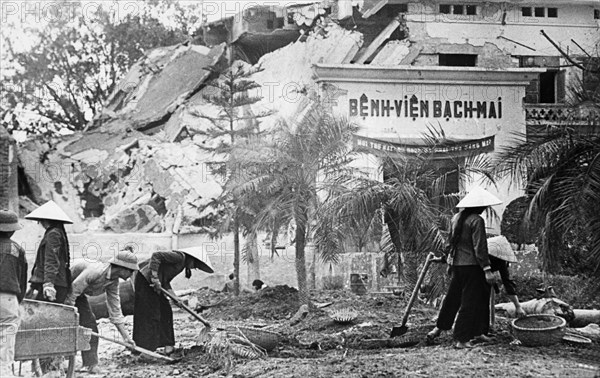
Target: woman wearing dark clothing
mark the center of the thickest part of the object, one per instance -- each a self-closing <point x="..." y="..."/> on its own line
<point x="153" y="317"/>
<point x="472" y="276"/>
<point x="51" y="276"/>
<point x="452" y="301"/>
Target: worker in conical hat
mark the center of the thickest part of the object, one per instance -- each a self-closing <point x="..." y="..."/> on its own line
<point x="472" y="276"/>
<point x="500" y="254"/>
<point x="51" y="276"/>
<point x="152" y="314"/>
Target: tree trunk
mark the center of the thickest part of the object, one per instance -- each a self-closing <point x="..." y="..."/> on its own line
<point x="236" y="255"/>
<point x="585" y="317"/>
<point x="252" y="257"/>
<point x="301" y="262"/>
<point x="411" y="267"/>
<point x="551" y="306"/>
<point x="391" y="220"/>
<point x="313" y="270"/>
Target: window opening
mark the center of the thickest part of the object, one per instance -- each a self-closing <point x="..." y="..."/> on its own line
<point x="458" y="60"/>
<point x="548" y="87"/>
<point x="540" y="12"/>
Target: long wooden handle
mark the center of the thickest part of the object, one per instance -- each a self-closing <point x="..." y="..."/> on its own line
<point x="135" y="347"/>
<point x="417" y="287"/>
<point x="184" y="307"/>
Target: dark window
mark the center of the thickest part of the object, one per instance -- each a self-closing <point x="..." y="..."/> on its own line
<point x="540" y="12"/>
<point x="394" y="9"/>
<point x="458" y="60"/>
<point x="553" y="12"/>
<point x="458" y="9"/>
<point x="445" y="8"/>
<point x="526" y="11"/>
<point x="269" y="24"/>
<point x="548" y="87"/>
<point x="280" y="23"/>
<point x="597" y="14"/>
<point x="290" y="18"/>
<point x="471" y="10"/>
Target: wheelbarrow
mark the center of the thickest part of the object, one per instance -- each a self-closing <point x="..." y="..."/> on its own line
<point x="50" y="330"/>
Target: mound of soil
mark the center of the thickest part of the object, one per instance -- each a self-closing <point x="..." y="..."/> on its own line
<point x="271" y="303"/>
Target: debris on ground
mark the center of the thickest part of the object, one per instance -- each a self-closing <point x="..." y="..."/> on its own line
<point x="318" y="346"/>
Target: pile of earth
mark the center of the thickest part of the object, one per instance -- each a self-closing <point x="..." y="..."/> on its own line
<point x="271" y="303"/>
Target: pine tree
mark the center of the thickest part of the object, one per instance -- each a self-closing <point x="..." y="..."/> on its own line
<point x="231" y="93"/>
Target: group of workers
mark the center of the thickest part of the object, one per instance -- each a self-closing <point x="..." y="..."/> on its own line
<point x="54" y="280"/>
<point x="465" y="307"/>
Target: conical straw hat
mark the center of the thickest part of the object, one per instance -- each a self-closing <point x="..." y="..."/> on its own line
<point x="479" y="197"/>
<point x="498" y="246"/>
<point x="49" y="211"/>
<point x="199" y="254"/>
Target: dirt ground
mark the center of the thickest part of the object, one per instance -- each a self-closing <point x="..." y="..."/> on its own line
<point x="319" y="347"/>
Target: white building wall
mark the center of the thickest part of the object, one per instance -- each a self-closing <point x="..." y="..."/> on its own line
<point x="575" y="22"/>
<point x="356" y="87"/>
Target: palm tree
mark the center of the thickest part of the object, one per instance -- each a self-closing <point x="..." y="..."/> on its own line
<point x="413" y="202"/>
<point x="295" y="169"/>
<point x="561" y="173"/>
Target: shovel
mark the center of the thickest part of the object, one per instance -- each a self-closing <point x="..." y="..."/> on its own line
<point x="402" y="329"/>
<point x="184" y="307"/>
<point x="136" y="348"/>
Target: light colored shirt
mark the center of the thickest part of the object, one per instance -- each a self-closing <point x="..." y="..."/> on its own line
<point x="94" y="279"/>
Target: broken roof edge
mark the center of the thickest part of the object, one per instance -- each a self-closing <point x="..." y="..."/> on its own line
<point x="423" y="74"/>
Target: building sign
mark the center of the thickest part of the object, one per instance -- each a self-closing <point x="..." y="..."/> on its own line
<point x="414" y="108"/>
<point x="449" y="148"/>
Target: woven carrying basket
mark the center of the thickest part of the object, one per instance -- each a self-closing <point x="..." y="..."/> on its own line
<point x="539" y="330"/>
<point x="267" y="340"/>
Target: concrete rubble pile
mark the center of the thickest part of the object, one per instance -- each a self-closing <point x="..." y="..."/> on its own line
<point x="141" y="164"/>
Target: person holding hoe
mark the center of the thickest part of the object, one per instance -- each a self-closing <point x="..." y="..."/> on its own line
<point x="153" y="316"/>
<point x="95" y="278"/>
<point x="472" y="277"/>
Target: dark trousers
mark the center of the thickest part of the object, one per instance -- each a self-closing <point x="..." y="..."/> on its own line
<point x="152" y="317"/>
<point x="468" y="296"/>
<point x="87" y="319"/>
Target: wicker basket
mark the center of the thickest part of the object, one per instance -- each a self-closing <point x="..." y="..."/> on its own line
<point x="538" y="330"/>
<point x="344" y="315"/>
<point x="267" y="340"/>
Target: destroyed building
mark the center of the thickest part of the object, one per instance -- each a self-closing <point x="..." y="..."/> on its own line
<point x="480" y="71"/>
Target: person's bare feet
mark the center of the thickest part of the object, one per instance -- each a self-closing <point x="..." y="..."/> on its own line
<point x="465" y="345"/>
<point x="483" y="339"/>
<point x="434" y="333"/>
<point x="94" y="369"/>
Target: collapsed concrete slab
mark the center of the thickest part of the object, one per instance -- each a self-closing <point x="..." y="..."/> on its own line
<point x="157" y="85"/>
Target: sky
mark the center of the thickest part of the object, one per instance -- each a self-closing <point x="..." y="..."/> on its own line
<point x="17" y="17"/>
